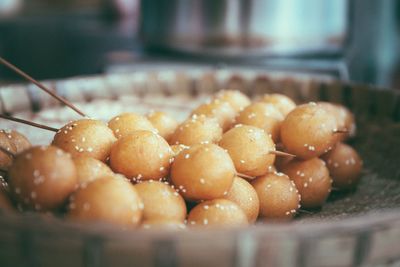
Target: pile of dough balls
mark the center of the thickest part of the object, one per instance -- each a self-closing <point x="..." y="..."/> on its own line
<point x="219" y="167"/>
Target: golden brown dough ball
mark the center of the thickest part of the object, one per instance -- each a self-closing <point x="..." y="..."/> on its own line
<point x="344" y="165"/>
<point x="161" y="202"/>
<point x="163" y="224"/>
<point x="249" y="148"/>
<point x="86" y="137"/>
<point x="176" y="149"/>
<point x="312" y="180"/>
<point x="344" y="118"/>
<point x="90" y="169"/>
<point x="127" y="123"/>
<point x="308" y="131"/>
<point x="165" y="124"/>
<point x="245" y="196"/>
<point x="197" y="130"/>
<point x="19" y="140"/>
<point x="110" y="199"/>
<point x="235" y="98"/>
<point x="263" y="116"/>
<point x="217" y="212"/>
<point x="42" y="178"/>
<point x="5" y="201"/>
<point x="141" y="155"/>
<point x="7" y="145"/>
<point x="283" y="103"/>
<point x="221" y="110"/>
<point x="279" y="198"/>
<point x="203" y="172"/>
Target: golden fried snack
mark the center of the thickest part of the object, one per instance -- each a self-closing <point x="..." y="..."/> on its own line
<point x="111" y="199"/>
<point x="86" y="137"/>
<point x="279" y="198"/>
<point x="19" y="140"/>
<point x="90" y="169"/>
<point x="221" y="110"/>
<point x="197" y="130"/>
<point x="245" y="196"/>
<point x="161" y="202"/>
<point x="344" y="118"/>
<point x="5" y="202"/>
<point x="42" y="178"/>
<point x="344" y="165"/>
<point x="249" y="148"/>
<point x="165" y="124"/>
<point x="283" y="103"/>
<point x="217" y="212"/>
<point x="127" y="123"/>
<point x="141" y="155"/>
<point x="235" y="98"/>
<point x="203" y="172"/>
<point x="264" y="116"/>
<point x="312" y="180"/>
<point x="6" y="156"/>
<point x="308" y="131"/>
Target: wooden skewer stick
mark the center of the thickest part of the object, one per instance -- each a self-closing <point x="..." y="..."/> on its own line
<point x="340" y="131"/>
<point x="34" y="124"/>
<point x="40" y="85"/>
<point x="281" y="153"/>
<point x="7" y="152"/>
<point x="245" y="176"/>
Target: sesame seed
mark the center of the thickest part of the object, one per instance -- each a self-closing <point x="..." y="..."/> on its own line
<point x="187" y="156"/>
<point x="202" y="181"/>
<point x="205" y="221"/>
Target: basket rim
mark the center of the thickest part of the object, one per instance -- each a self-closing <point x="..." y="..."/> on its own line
<point x="356" y="223"/>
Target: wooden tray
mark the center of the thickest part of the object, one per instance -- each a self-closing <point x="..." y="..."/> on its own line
<point x="353" y="229"/>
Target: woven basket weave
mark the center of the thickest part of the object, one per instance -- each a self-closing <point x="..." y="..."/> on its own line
<point x="360" y="228"/>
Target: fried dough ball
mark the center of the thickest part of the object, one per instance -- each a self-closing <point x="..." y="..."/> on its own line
<point x="163" y="224"/>
<point x="6" y="144"/>
<point x="5" y="201"/>
<point x="90" y="169"/>
<point x="312" y="180"/>
<point x="344" y="118"/>
<point x="42" y="178"/>
<point x="197" y="130"/>
<point x="217" y="212"/>
<point x="111" y="199"/>
<point x="161" y="202"/>
<point x="308" y="131"/>
<point x="203" y="172"/>
<point x="279" y="198"/>
<point x="244" y="195"/>
<point x="344" y="165"/>
<point x="249" y="148"/>
<point x="283" y="103"/>
<point x="86" y="137"/>
<point x="263" y="116"/>
<point x="221" y="110"/>
<point x="141" y="155"/>
<point x="235" y="98"/>
<point x="165" y="124"/>
<point x="127" y="123"/>
<point x="176" y="149"/>
<point x="19" y="140"/>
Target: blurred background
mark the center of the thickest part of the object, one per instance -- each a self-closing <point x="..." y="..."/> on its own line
<point x="354" y="40"/>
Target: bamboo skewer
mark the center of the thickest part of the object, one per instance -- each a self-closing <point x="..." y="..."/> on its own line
<point x="41" y="86"/>
<point x="34" y="124"/>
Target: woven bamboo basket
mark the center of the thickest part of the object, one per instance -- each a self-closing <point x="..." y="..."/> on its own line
<point x="360" y="228"/>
